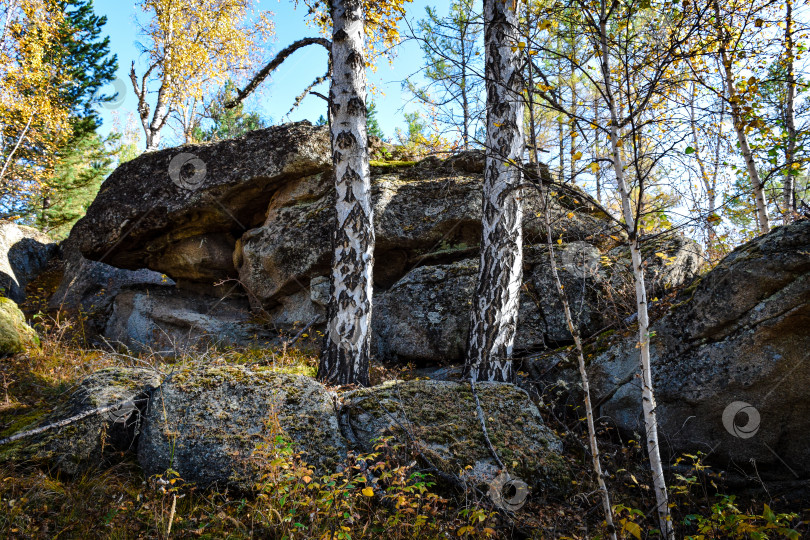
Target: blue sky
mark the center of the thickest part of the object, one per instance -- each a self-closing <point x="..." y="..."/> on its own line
<point x="290" y="79"/>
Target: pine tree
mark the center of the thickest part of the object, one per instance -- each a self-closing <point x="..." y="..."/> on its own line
<point x="227" y="123"/>
<point x="453" y="69"/>
<point x="372" y="124"/>
<point x="85" y="55"/>
<point x="78" y="175"/>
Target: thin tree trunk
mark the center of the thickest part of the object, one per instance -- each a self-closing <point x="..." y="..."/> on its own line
<point x="789" y="200"/>
<point x="586" y="388"/>
<point x="465" y="103"/>
<point x="574" y="330"/>
<point x="708" y="183"/>
<point x="647" y="393"/>
<point x="533" y="156"/>
<point x="739" y="128"/>
<point x="598" y="172"/>
<point x="345" y="359"/>
<point x="497" y="296"/>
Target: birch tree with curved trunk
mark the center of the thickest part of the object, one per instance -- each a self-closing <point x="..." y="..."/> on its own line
<point x="347" y="342"/>
<point x="500" y="273"/>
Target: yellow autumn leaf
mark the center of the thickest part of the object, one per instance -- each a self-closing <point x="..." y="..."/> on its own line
<point x="577" y="155"/>
<point x="368" y="492"/>
<point x="594" y="168"/>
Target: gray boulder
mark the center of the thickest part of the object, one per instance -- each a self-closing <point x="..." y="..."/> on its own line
<point x="24" y="253"/>
<point x="169" y="321"/>
<point x="96" y="439"/>
<point x="88" y="288"/>
<point x="424" y="317"/>
<point x="179" y="211"/>
<point x="730" y="361"/>
<point x="437" y="422"/>
<point x="209" y="422"/>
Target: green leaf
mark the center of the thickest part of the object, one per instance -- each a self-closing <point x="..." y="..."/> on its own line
<point x="689" y="150"/>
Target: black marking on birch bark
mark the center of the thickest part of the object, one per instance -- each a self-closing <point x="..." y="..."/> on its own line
<point x="356" y="106"/>
<point x="350" y="176"/>
<point x="355" y="60"/>
<point x="346" y="140"/>
<point x="340" y="36"/>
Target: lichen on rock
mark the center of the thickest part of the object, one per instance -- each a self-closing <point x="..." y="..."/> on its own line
<point x="15" y="335"/>
<point x="207" y="422"/>
<point x="438" y="421"/>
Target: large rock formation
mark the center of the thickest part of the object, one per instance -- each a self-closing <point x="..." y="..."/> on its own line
<point x="267" y="217"/>
<point x="208" y="423"/>
<point x="24" y="253"/>
<point x="219" y="425"/>
<point x="93" y="439"/>
<point x="730" y="362"/>
<point x="438" y="422"/>
<point x="179" y="211"/>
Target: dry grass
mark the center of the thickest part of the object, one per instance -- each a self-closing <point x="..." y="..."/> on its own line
<point x="120" y="502"/>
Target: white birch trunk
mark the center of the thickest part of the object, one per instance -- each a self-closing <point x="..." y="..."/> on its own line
<point x="497" y="296"/>
<point x="789" y="200"/>
<point x="345" y="358"/>
<point x="647" y="393"/>
<point x="737" y="120"/>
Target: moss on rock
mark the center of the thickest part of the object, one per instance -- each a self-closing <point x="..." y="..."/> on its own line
<point x="15" y="335"/>
<point x="207" y="422"/>
<point x="438" y="419"/>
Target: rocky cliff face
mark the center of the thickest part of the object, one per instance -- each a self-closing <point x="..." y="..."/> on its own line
<point x="731" y="361"/>
<point x="230" y="243"/>
<point x="244" y="226"/>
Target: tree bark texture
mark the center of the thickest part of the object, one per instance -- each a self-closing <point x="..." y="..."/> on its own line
<point x="495" y="304"/>
<point x="345" y="359"/>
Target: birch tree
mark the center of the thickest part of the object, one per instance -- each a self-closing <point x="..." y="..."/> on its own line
<point x="500" y="272"/>
<point x="637" y="49"/>
<point x="347" y="340"/>
<point x="347" y="343"/>
<point x="190" y="48"/>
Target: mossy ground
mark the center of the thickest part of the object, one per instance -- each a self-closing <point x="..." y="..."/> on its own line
<point x="120" y="502"/>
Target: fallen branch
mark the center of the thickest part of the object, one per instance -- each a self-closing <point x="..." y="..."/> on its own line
<point x="483" y="422"/>
<point x="63" y="423"/>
